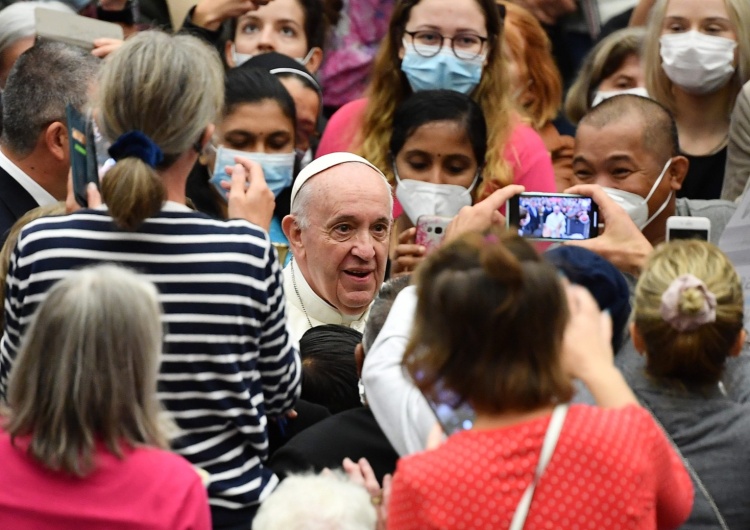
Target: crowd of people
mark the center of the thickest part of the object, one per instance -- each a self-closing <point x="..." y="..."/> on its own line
<point x="235" y="325"/>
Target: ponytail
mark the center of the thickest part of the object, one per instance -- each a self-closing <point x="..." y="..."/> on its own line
<point x="133" y="192"/>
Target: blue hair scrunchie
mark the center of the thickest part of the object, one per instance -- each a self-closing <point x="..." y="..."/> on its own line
<point x="137" y="144"/>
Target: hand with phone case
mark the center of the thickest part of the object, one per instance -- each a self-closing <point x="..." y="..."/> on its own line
<point x="407" y="254"/>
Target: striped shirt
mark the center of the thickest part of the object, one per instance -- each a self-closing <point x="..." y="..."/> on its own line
<point x="228" y="362"/>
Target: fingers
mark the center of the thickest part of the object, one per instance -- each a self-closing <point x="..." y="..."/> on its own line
<point x="93" y="197"/>
<point x="70" y="200"/>
<point x="239" y="179"/>
<point x="407" y="236"/>
<point x="497" y="199"/>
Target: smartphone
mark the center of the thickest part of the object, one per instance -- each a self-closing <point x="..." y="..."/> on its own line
<point x="688" y="228"/>
<point x="83" y="162"/>
<point x="452" y="413"/>
<point x="553" y="216"/>
<point x="72" y="29"/>
<point x="431" y="231"/>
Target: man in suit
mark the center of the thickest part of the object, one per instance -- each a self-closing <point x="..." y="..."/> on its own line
<point x="34" y="154"/>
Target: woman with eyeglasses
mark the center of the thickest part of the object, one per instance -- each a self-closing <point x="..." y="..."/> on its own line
<point x="444" y="44"/>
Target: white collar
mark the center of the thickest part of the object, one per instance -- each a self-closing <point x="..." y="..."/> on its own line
<point x="315" y="307"/>
<point x="39" y="194"/>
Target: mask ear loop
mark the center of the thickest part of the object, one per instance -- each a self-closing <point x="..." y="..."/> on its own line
<point x="393" y="167"/>
<point x="653" y="189"/>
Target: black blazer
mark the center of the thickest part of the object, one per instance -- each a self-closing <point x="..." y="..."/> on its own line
<point x="353" y="433"/>
<point x="14" y="202"/>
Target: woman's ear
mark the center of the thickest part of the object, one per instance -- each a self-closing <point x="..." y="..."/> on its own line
<point x="739" y="343"/>
<point x="315" y="60"/>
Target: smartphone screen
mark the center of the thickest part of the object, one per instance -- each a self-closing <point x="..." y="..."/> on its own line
<point x="553" y="217"/>
<point x="452" y="413"/>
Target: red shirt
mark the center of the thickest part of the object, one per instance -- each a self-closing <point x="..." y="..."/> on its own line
<point x="149" y="489"/>
<point x="611" y="469"/>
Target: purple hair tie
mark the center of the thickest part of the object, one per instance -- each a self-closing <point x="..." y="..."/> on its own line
<point x="670" y="304"/>
<point x="138" y="145"/>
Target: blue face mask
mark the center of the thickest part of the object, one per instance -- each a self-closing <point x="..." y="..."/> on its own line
<point x="441" y="71"/>
<point x="278" y="169"/>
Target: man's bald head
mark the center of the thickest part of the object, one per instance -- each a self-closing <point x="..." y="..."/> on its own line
<point x="659" y="127"/>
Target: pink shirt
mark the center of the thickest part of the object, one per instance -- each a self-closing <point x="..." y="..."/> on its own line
<point x="525" y="151"/>
<point x="612" y="468"/>
<point x="149" y="489"/>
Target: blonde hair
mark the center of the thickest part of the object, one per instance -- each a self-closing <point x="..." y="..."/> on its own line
<point x="170" y="88"/>
<point x="531" y="45"/>
<point x="600" y="63"/>
<point x="658" y="84"/>
<point x="389" y="88"/>
<point x="694" y="357"/>
<point x="87" y="369"/>
<point x="57" y="208"/>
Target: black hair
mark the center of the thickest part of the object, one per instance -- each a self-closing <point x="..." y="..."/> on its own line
<point x="440" y="105"/>
<point x="316" y="24"/>
<point x="253" y="85"/>
<point x="329" y="371"/>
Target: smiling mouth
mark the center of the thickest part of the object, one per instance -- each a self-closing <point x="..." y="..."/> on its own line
<point x="358" y="273"/>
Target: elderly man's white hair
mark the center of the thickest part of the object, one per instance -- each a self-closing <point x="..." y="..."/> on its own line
<point x="18" y="20"/>
<point x="317" y="502"/>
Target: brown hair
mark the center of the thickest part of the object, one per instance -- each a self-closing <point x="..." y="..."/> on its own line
<point x="170" y="88"/>
<point x="689" y="357"/>
<point x="389" y="88"/>
<point x="531" y="45"/>
<point x="489" y="325"/>
<point x="87" y="369"/>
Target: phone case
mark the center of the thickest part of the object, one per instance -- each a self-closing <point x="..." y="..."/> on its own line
<point x="431" y="231"/>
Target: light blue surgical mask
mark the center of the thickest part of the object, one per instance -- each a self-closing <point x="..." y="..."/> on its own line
<point x="441" y="71"/>
<point x="278" y="169"/>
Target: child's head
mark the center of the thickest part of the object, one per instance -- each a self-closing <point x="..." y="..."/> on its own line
<point x="688" y="313"/>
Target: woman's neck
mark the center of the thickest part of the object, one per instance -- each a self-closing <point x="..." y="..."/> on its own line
<point x="175" y="176"/>
<point x="488" y="421"/>
<point x="702" y="120"/>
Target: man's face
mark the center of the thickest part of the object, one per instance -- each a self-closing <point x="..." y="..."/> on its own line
<point x="342" y="252"/>
<point x="614" y="156"/>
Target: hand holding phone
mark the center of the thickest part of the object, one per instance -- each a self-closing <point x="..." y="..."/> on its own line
<point x="83" y="162"/>
<point x="431" y="231"/>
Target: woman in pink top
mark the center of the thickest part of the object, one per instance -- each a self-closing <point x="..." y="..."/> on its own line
<point x="497" y="329"/>
<point x="444" y="44"/>
<point x="81" y="445"/>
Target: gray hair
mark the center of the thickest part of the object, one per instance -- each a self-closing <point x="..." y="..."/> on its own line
<point x="17" y="21"/>
<point x="309" y="194"/>
<point x="317" y="502"/>
<point x="87" y="370"/>
<point x="46" y="77"/>
<point x="380" y="308"/>
<point x="170" y="88"/>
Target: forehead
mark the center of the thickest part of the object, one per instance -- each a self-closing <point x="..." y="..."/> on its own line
<point x="696" y="9"/>
<point x="449" y="15"/>
<point x="436" y="135"/>
<point x="260" y="117"/>
<point x="351" y="189"/>
<point x="624" y="136"/>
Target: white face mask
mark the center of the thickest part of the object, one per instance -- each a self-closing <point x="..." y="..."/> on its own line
<point x="637" y="206"/>
<point x="420" y="198"/>
<point x="698" y="63"/>
<point x="601" y="95"/>
<point x="241" y="58"/>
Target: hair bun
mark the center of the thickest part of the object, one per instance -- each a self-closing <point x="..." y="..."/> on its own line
<point x="499" y="262"/>
<point x="688" y="304"/>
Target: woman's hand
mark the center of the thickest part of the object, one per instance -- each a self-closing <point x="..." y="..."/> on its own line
<point x="587" y="350"/>
<point x="361" y="473"/>
<point x="483" y="215"/>
<point x="210" y="14"/>
<point x="105" y="46"/>
<point x="249" y="196"/>
<point x="407" y="254"/>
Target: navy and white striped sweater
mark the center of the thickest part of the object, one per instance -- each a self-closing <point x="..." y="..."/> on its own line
<point x="228" y="361"/>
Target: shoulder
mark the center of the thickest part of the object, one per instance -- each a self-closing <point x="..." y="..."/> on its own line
<point x="169" y="468"/>
<point x="529" y="158"/>
<point x="718" y="211"/>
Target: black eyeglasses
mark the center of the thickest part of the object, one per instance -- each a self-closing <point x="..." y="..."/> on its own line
<point x="428" y="43"/>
